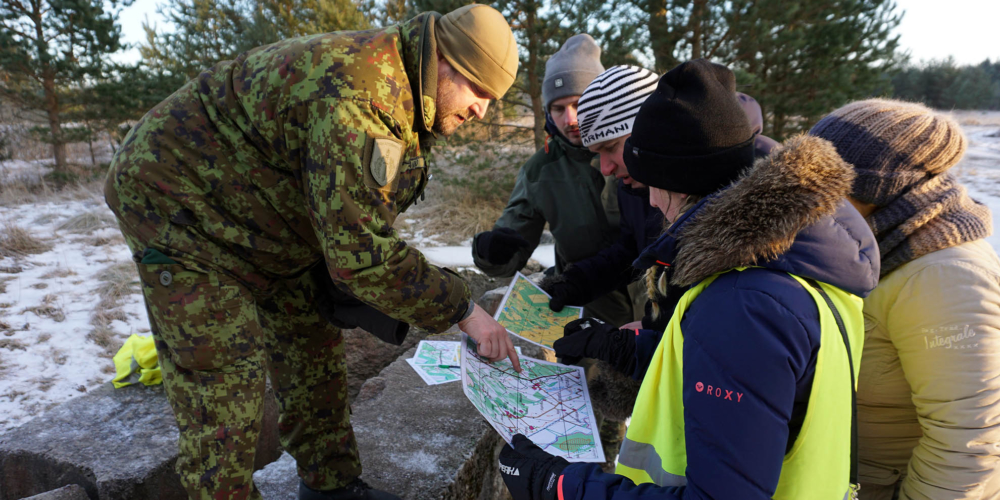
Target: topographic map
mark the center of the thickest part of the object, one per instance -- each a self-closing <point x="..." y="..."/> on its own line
<point x="438" y="361"/>
<point x="525" y="312"/>
<point x="547" y="402"/>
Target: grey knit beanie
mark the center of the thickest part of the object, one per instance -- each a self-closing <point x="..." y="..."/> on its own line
<point x="571" y="69"/>
<point x="892" y="145"/>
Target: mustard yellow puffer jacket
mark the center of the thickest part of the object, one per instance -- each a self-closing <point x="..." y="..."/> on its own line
<point x="929" y="389"/>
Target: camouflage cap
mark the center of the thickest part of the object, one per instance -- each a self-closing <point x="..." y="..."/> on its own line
<point x="477" y="41"/>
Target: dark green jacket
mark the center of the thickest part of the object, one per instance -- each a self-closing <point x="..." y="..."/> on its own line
<point x="559" y="185"/>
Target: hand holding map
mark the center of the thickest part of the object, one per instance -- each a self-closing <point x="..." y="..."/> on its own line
<point x="547" y="402"/>
<point x="493" y="341"/>
<point x="524" y="311"/>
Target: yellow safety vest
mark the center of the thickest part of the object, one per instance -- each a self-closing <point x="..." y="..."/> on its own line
<point x="136" y="362"/>
<point x="818" y="464"/>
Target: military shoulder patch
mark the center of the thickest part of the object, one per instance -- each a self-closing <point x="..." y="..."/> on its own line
<point x="383" y="156"/>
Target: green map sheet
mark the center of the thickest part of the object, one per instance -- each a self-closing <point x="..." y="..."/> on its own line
<point x="524" y="311"/>
<point x="547" y="402"/>
<point x="439" y="361"/>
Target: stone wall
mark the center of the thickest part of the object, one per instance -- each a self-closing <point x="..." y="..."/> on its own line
<point x="115" y="443"/>
<point x="418" y="441"/>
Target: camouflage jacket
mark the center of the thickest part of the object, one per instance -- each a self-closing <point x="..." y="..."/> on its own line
<point x="303" y="150"/>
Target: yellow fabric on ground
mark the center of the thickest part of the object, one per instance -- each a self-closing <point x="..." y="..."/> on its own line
<point x="136" y="362"/>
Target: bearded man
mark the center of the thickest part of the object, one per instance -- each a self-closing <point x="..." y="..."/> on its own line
<point x="258" y="201"/>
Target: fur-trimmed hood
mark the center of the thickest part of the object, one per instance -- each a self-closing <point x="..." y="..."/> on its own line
<point x="789" y="212"/>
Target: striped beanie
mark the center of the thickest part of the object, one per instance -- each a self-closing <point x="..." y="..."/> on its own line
<point x="609" y="104"/>
<point x="892" y="145"/>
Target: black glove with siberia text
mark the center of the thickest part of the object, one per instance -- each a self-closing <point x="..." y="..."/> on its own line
<point x="528" y="471"/>
<point x="499" y="245"/>
<point x="592" y="338"/>
<point x="566" y="289"/>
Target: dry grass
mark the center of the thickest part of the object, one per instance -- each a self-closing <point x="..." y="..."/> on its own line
<point x="17" y="242"/>
<point x="118" y="281"/>
<point x="58" y="272"/>
<point x="12" y="344"/>
<point x="469" y="190"/>
<point x="100" y="241"/>
<point x="48" y="309"/>
<point x="107" y="339"/>
<point x="44" y="219"/>
<point x="88" y="222"/>
<point x="457" y="213"/>
<point x="44" y="383"/>
<point x="20" y="192"/>
<point x="57" y="356"/>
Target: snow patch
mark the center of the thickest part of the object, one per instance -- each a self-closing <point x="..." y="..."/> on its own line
<point x="461" y="256"/>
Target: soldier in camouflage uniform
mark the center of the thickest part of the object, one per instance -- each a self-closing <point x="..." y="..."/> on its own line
<point x="295" y="155"/>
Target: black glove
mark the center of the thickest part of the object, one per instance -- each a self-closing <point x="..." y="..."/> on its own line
<point x="565" y="291"/>
<point x="346" y="311"/>
<point x="499" y="245"/>
<point x="592" y="338"/>
<point x="528" y="471"/>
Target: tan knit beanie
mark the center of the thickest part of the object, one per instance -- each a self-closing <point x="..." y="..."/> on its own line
<point x="477" y="41"/>
<point x="892" y="145"/>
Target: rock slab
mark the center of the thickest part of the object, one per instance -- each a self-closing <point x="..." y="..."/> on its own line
<point x="114" y="443"/>
<point x="70" y="492"/>
<point x="418" y="441"/>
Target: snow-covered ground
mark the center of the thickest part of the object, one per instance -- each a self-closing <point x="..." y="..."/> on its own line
<point x="61" y="309"/>
<point x="460" y="257"/>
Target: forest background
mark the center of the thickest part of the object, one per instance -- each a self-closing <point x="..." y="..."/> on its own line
<point x="800" y="59"/>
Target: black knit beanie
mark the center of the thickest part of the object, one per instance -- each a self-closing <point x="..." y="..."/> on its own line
<point x="691" y="136"/>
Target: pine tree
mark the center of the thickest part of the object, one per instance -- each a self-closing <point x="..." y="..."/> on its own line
<point x="205" y="32"/>
<point x="804" y="59"/>
<point x="679" y="30"/>
<point x="51" y="48"/>
<point x="943" y="84"/>
<point x="123" y="94"/>
<point x="274" y="20"/>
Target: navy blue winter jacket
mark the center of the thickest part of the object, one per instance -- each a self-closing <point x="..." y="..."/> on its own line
<point x="755" y="332"/>
<point x="611" y="268"/>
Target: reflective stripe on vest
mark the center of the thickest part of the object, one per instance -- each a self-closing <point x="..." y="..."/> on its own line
<point x="818" y="464"/>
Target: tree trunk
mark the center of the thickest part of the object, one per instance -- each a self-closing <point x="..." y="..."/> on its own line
<point x="494" y="129"/>
<point x="49" y="90"/>
<point x="90" y="142"/>
<point x="697" y="13"/>
<point x="55" y="126"/>
<point x="661" y="38"/>
<point x="534" y="79"/>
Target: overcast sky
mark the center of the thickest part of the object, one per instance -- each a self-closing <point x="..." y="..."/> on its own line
<point x="969" y="30"/>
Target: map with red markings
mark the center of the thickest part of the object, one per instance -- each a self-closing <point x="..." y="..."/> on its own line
<point x="547" y="402"/>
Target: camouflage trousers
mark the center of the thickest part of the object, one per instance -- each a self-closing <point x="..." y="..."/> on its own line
<point x="217" y="340"/>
